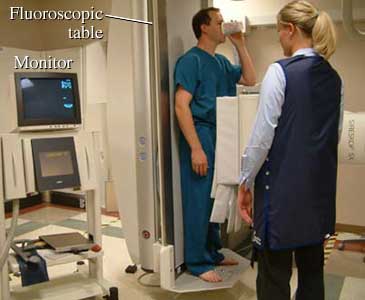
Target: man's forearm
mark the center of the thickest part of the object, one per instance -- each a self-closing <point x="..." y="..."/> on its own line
<point x="187" y="127"/>
<point x="249" y="73"/>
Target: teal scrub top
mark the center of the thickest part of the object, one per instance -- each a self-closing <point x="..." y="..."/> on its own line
<point x="206" y="77"/>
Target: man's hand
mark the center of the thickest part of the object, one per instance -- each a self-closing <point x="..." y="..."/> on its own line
<point x="248" y="77"/>
<point x="244" y="202"/>
<point x="199" y="162"/>
<point x="237" y="39"/>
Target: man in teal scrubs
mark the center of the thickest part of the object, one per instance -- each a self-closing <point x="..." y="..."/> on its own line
<point x="200" y="77"/>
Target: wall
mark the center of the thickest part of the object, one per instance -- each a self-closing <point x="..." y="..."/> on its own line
<point x="18" y="34"/>
<point x="349" y="60"/>
<point x="264" y="11"/>
<point x="47" y="35"/>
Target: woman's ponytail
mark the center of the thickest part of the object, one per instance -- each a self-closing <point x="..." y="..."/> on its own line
<point x="324" y="35"/>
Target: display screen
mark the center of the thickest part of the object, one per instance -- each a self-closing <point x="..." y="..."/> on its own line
<point x="56" y="163"/>
<point x="48" y="98"/>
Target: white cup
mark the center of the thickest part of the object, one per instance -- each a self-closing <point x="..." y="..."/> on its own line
<point x="229" y="28"/>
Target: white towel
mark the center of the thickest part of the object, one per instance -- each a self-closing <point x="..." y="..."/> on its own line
<point x="223" y="196"/>
<point x="247" y="114"/>
<point x="226" y="169"/>
<point x="232" y="211"/>
<point x="227" y="145"/>
<point x="235" y="116"/>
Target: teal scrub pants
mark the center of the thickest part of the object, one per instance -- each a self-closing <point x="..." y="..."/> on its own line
<point x="201" y="238"/>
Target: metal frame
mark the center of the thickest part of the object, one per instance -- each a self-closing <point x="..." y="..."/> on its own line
<point x="78" y="286"/>
<point x="160" y="99"/>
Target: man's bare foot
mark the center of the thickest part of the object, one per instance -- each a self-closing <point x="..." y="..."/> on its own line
<point x="210" y="276"/>
<point x="228" y="262"/>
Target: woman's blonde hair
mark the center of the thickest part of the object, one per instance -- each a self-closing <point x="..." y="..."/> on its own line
<point x="315" y="24"/>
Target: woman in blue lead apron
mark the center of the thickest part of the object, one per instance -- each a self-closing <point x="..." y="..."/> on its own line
<point x="292" y="157"/>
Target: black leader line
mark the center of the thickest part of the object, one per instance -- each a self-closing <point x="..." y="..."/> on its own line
<point x="128" y="19"/>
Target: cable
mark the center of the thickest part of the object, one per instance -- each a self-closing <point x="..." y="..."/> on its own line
<point x="11" y="234"/>
<point x="146" y="284"/>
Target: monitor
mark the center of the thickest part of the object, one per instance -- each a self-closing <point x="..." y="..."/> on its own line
<point x="48" y="100"/>
<point x="55" y="163"/>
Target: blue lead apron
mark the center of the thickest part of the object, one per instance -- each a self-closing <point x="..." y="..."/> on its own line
<point x="295" y="190"/>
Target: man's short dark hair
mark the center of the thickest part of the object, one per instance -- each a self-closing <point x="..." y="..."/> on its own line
<point x="200" y="18"/>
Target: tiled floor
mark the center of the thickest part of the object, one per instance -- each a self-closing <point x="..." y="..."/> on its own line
<point x="50" y="215"/>
<point x="345" y="271"/>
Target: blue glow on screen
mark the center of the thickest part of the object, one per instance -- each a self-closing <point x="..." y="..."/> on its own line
<point x="66" y="84"/>
<point x="26" y="83"/>
<point x="48" y="99"/>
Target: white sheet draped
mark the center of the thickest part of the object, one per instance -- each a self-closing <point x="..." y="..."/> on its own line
<point x="235" y="117"/>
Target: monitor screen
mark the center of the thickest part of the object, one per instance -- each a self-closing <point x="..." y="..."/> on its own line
<point x="55" y="163"/>
<point x="47" y="98"/>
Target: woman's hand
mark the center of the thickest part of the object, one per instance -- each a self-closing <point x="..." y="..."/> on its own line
<point x="244" y="202"/>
